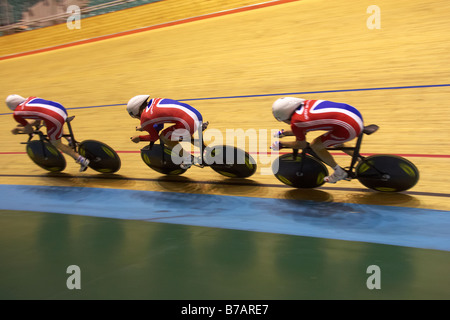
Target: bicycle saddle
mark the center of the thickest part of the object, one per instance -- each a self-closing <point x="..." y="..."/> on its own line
<point x="370" y="129"/>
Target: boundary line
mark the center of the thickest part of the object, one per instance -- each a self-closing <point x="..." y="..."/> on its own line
<point x="276" y="94"/>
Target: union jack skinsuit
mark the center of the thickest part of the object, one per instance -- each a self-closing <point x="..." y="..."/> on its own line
<point x="52" y="113"/>
<point x="187" y="120"/>
<point x="341" y="121"/>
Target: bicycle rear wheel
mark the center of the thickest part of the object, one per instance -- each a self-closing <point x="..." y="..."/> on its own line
<point x="46" y="156"/>
<point x="102" y="157"/>
<point x="230" y="161"/>
<point x="301" y="172"/>
<point x="387" y="173"/>
<point x="153" y="157"/>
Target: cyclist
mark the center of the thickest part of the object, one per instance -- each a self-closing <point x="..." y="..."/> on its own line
<point x="342" y="122"/>
<point x="53" y="115"/>
<point x="154" y="113"/>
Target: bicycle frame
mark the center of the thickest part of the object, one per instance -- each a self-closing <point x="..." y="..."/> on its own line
<point x="207" y="158"/>
<point x="202" y="147"/>
<point x="44" y="137"/>
<point x="164" y="147"/>
<point x="71" y="135"/>
<point x="354" y="158"/>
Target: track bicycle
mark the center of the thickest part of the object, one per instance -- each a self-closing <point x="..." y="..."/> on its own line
<point x="43" y="153"/>
<point x="380" y="172"/>
<point x="226" y="160"/>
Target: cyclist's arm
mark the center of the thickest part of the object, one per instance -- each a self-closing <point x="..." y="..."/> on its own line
<point x="283" y="133"/>
<point x="36" y="123"/>
<point x="288" y="133"/>
<point x="152" y="136"/>
<point x="22" y="129"/>
<point x="294" y="144"/>
<point x="23" y="125"/>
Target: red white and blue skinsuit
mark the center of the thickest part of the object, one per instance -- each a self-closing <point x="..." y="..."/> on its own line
<point x="341" y="121"/>
<point x="52" y="113"/>
<point x="187" y="120"/>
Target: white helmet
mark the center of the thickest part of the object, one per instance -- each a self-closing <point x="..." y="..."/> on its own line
<point x="283" y="108"/>
<point x="135" y="103"/>
<point x="13" y="100"/>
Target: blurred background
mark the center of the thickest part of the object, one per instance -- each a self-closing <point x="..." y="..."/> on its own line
<point x="21" y="15"/>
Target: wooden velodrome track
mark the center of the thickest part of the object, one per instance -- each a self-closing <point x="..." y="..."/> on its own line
<point x="231" y="67"/>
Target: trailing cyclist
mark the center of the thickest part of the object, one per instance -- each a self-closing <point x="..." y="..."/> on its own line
<point x="53" y="115"/>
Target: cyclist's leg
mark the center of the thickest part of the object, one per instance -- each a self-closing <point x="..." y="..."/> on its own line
<point x="321" y="151"/>
<point x="339" y="136"/>
<point x="54" y="134"/>
<point x="65" y="148"/>
<point x="84" y="163"/>
<point x="319" y="145"/>
<point x="172" y="136"/>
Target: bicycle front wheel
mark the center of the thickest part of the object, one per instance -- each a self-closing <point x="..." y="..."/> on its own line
<point x="46" y="156"/>
<point x="387" y="173"/>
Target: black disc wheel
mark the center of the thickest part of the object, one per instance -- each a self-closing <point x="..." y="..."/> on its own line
<point x="160" y="160"/>
<point x="230" y="161"/>
<point x="387" y="173"/>
<point x="102" y="157"/>
<point x="299" y="172"/>
<point x="46" y="155"/>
